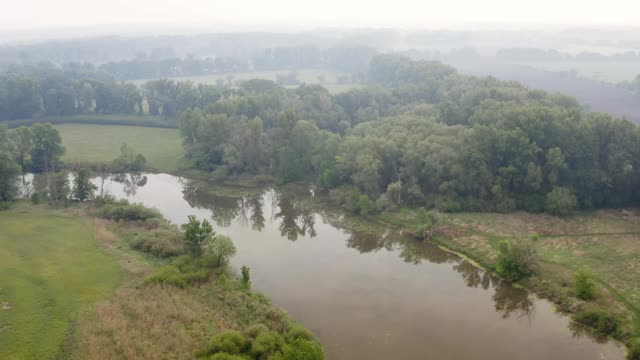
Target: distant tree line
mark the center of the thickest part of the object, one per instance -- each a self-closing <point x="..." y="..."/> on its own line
<point x="424" y="135"/>
<point x="633" y="86"/>
<point x="349" y="59"/>
<point x="535" y="54"/>
<point x="265" y="48"/>
<point x="46" y="90"/>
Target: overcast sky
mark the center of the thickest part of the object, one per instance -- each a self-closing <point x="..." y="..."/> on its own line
<point x="39" y="14"/>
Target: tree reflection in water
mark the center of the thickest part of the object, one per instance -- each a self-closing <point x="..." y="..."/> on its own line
<point x="295" y="219"/>
<point x="130" y="181"/>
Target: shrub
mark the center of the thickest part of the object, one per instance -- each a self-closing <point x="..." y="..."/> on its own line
<point x="256" y="329"/>
<point x="246" y="277"/>
<point x="365" y="205"/>
<point x="128" y="160"/>
<point x="169" y="275"/>
<point x="266" y="343"/>
<point x="424" y="223"/>
<point x="584" y="287"/>
<point x="298" y="332"/>
<point x="102" y="200"/>
<point x="226" y="356"/>
<point x="383" y="203"/>
<point x="35" y="198"/>
<point x="230" y="342"/>
<point x="353" y="200"/>
<point x="182" y="271"/>
<point x="633" y="352"/>
<point x="446" y="204"/>
<point x="516" y="260"/>
<point x="600" y="321"/>
<point x="300" y="350"/>
<point x="161" y="242"/>
<point x="223" y="280"/>
<point x="152" y="223"/>
<point x="221" y="248"/>
<point x="122" y="210"/>
<point x="561" y="201"/>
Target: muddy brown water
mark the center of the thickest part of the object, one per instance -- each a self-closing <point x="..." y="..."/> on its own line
<point x="369" y="293"/>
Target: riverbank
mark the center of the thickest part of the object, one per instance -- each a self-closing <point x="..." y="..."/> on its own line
<point x="604" y="243"/>
<point x="132" y="317"/>
<point x="364" y="288"/>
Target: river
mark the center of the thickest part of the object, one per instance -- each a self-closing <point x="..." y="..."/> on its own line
<point x="366" y="291"/>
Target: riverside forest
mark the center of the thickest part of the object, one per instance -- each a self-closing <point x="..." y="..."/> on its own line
<point x="338" y="194"/>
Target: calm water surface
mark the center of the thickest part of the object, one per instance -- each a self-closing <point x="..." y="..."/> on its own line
<point x="368" y="293"/>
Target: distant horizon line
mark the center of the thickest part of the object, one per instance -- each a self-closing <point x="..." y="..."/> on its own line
<point x="69" y="32"/>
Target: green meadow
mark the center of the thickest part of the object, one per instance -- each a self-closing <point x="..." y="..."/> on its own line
<point x="52" y="269"/>
<point x="101" y="143"/>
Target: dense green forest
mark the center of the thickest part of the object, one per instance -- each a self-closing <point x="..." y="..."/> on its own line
<point x="420" y="134"/>
<point x="423" y="135"/>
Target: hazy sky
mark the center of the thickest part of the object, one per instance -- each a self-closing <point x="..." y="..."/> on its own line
<point x="38" y="14"/>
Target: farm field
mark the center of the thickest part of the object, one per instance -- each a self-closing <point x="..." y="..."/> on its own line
<point x="101" y="143"/>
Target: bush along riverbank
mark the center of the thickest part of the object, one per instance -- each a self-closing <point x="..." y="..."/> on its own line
<point x="584" y="263"/>
<point x="179" y="299"/>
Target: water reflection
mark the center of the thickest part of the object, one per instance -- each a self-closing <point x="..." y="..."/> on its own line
<point x="130" y="181"/>
<point x="37" y="183"/>
<point x="296" y="219"/>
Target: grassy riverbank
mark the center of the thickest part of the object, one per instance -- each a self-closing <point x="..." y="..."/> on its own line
<point x="101" y="143"/>
<point x="605" y="243"/>
<point x="77" y="289"/>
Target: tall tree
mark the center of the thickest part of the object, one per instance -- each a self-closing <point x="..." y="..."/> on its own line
<point x="22" y="140"/>
<point x="46" y="152"/>
<point x="83" y="189"/>
<point x="196" y="235"/>
<point x="9" y="172"/>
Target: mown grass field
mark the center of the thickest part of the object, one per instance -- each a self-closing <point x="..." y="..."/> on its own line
<point x="309" y="76"/>
<point x="101" y="143"/>
<point x="50" y="270"/>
